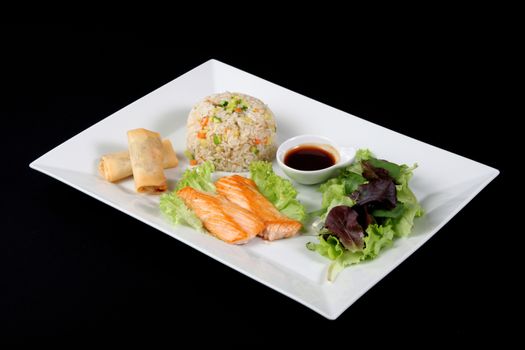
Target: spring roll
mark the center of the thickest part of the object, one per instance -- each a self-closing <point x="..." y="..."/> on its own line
<point x="145" y="153"/>
<point x="117" y="166"/>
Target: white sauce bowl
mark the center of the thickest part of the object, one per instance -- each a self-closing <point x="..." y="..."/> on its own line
<point x="343" y="157"/>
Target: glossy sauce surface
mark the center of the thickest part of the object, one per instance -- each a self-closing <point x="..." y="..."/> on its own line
<point x="309" y="157"/>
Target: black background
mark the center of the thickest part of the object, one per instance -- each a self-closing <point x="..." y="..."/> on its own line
<point x="73" y="265"/>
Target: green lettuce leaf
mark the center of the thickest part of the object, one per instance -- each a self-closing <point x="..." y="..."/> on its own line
<point x="198" y="177"/>
<point x="348" y="258"/>
<point x="351" y="181"/>
<point x="335" y="191"/>
<point x="294" y="210"/>
<point x="360" y="155"/>
<point x="279" y="191"/>
<point x="404" y="223"/>
<point x="173" y="207"/>
<point x="404" y="194"/>
<point x="394" y="213"/>
<point x="330" y="247"/>
<point x="363" y="154"/>
<point x="378" y="237"/>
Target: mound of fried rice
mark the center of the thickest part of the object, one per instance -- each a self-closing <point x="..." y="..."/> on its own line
<point x="231" y="130"/>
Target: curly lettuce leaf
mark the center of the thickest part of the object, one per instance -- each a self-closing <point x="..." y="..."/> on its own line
<point x="361" y="155"/>
<point x="404" y="223"/>
<point x="294" y="210"/>
<point x="346" y="182"/>
<point x="346" y="259"/>
<point x="335" y="191"/>
<point x="404" y="194"/>
<point x="198" y="177"/>
<point x="378" y="237"/>
<point x="173" y="207"/>
<point x="329" y="246"/>
<point x="279" y="191"/>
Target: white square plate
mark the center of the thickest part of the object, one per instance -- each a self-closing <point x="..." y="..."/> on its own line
<point x="286" y="266"/>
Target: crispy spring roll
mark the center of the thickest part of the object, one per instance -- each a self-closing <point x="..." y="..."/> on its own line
<point x="117" y="166"/>
<point x="145" y="153"/>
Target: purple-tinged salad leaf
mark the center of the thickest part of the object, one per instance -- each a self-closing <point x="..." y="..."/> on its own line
<point x="364" y="218"/>
<point x="393" y="170"/>
<point x="371" y="173"/>
<point x="342" y="222"/>
<point x="380" y="193"/>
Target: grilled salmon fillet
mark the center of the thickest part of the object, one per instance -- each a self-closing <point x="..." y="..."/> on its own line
<point x="222" y="218"/>
<point x="244" y="193"/>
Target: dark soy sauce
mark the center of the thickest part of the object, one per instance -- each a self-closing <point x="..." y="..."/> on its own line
<point x="309" y="157"/>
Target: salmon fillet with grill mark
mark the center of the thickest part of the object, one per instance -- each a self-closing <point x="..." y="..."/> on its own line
<point x="222" y="218"/>
<point x="244" y="193"/>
